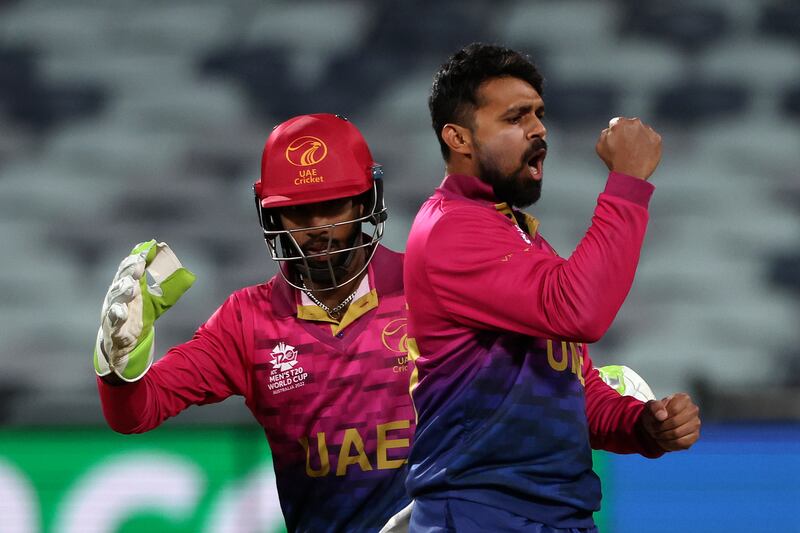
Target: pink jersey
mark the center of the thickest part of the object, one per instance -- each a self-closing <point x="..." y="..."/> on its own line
<point x="507" y="397"/>
<point x="334" y="404"/>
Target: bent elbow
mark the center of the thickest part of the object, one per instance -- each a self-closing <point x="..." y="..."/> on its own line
<point x="593" y="328"/>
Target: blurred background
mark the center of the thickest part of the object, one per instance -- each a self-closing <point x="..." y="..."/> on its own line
<point x="124" y="120"/>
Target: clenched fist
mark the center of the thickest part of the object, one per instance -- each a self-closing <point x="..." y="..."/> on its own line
<point x="674" y="422"/>
<point x="630" y="146"/>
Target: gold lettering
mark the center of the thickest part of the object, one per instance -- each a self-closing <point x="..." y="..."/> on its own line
<point x="324" y="460"/>
<point x="302" y="180"/>
<point x="577" y="362"/>
<point x="352" y="437"/>
<point x="557" y="365"/>
<point x="384" y="444"/>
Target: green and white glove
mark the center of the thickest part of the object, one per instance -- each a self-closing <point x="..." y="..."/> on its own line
<point x="626" y="382"/>
<point x="148" y="282"/>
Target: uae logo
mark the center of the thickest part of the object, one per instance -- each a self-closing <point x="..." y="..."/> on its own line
<point x="284" y="357"/>
<point x="305" y="151"/>
<point x="395" y="337"/>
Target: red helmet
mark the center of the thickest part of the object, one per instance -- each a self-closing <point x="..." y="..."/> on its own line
<point x="310" y="159"/>
<point x="314" y="158"/>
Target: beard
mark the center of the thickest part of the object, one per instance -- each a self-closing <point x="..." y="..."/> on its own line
<point x="326" y="272"/>
<point x="517" y="188"/>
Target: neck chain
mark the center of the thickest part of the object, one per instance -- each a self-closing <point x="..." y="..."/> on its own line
<point x="331" y="312"/>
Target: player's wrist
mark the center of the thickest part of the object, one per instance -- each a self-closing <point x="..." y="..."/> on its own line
<point x="630" y="188"/>
<point x="649" y="444"/>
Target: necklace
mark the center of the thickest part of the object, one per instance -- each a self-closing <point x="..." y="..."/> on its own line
<point x="333" y="313"/>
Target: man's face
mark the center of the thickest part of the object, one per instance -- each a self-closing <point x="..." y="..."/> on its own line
<point x="509" y="139"/>
<point x="325" y="239"/>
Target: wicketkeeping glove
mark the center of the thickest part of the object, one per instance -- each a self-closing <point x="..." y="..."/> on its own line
<point x="148" y="282"/>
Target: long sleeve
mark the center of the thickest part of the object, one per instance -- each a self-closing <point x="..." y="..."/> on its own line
<point x="488" y="275"/>
<point x="614" y="419"/>
<point x="207" y="369"/>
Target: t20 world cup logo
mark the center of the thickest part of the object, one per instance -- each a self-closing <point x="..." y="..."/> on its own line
<point x="284" y="357"/>
<point x="306" y="150"/>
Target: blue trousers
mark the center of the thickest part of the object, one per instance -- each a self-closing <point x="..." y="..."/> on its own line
<point x="460" y="516"/>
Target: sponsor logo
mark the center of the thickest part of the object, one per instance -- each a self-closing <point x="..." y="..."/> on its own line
<point x="306" y="151"/>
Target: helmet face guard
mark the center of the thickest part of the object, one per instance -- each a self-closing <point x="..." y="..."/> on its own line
<point x="328" y="269"/>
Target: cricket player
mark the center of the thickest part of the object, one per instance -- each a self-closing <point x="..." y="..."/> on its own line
<point x="319" y="351"/>
<point x="508" y="401"/>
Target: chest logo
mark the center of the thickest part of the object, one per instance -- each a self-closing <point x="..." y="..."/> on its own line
<point x="284" y="357"/>
<point x="395" y="337"/>
<point x="286" y="375"/>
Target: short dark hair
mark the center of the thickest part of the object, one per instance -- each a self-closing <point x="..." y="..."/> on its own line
<point x="455" y="86"/>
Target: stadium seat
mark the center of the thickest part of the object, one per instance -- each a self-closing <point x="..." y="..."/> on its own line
<point x="782" y="20"/>
<point x="695" y="101"/>
<point x="554" y="26"/>
<point x="415" y="30"/>
<point x="328" y="29"/>
<point x="687" y="27"/>
<point x="790" y="103"/>
<point x="761" y="65"/>
<point x="44" y="107"/>
<point x="752" y="145"/>
<point x="55" y="28"/>
<point x="352" y="81"/>
<point x="579" y="104"/>
<point x="784" y="270"/>
<point x="639" y="67"/>
<point x="17" y="75"/>
<point x="182" y="28"/>
<point x="116" y="150"/>
<point x="264" y="73"/>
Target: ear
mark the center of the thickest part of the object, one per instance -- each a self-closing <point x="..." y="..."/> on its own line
<point x="457" y="138"/>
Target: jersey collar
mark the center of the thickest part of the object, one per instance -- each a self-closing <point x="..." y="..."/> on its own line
<point x="389" y="280"/>
<point x="472" y="189"/>
<point x="469" y="187"/>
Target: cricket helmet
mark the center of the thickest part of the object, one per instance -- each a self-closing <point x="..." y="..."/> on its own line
<point x="310" y="159"/>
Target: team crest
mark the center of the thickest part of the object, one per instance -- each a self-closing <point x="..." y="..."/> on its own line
<point x="306" y="151"/>
<point x="395" y="337"/>
<point x="284" y="357"/>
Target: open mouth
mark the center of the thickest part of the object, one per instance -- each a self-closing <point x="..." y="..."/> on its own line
<point x="536" y="162"/>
